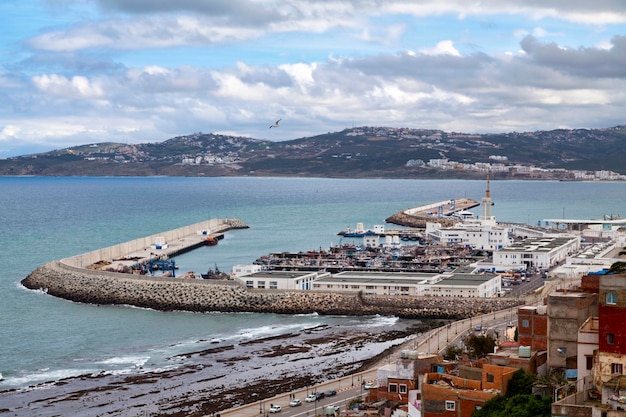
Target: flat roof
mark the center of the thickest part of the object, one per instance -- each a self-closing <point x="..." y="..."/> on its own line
<point x="538" y="244"/>
<point x="278" y="274"/>
<point x="406" y="278"/>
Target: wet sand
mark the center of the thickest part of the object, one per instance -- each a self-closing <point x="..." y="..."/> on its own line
<point x="216" y="379"/>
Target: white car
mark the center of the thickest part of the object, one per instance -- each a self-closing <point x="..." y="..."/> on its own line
<point x="275" y="408"/>
<point x="295" y="402"/>
<point x="370" y="385"/>
<point x="311" y="398"/>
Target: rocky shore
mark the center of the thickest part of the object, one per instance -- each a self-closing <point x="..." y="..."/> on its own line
<point x="171" y="294"/>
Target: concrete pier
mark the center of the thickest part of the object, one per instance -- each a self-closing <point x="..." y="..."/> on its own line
<point x="439" y="212"/>
<point x="140" y="250"/>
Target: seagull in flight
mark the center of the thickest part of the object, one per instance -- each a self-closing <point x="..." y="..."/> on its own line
<point x="275" y="123"/>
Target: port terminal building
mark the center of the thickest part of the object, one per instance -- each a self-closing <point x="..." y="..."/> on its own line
<point x="461" y="283"/>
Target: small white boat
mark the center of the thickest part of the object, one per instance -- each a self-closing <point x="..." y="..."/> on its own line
<point x="1" y="377"/>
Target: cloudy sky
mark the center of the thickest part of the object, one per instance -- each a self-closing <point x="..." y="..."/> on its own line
<point x="82" y="71"/>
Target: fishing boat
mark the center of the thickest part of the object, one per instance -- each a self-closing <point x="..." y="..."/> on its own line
<point x="215" y="274"/>
<point x="210" y="241"/>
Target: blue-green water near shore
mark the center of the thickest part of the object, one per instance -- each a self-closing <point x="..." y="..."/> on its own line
<point x="42" y="219"/>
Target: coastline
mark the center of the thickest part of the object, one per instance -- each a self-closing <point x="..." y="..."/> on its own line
<point x="219" y="378"/>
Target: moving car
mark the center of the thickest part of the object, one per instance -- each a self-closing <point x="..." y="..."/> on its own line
<point x="330" y="393"/>
<point x="370" y="385"/>
<point x="295" y="402"/>
<point x="311" y="397"/>
<point x="275" y="408"/>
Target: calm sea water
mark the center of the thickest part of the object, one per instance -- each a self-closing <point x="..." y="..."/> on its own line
<point x="42" y="219"/>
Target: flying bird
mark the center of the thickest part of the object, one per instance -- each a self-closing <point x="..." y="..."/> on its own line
<point x="275" y="123"/>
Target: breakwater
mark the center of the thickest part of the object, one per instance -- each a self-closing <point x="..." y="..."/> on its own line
<point x="168" y="294"/>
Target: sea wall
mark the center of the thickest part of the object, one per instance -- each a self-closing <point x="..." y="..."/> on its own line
<point x="167" y="294"/>
<point x="121" y="250"/>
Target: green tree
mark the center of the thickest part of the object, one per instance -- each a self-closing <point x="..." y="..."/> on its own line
<point x="479" y="346"/>
<point x="451" y="352"/>
<point x="520" y="383"/>
<point x="518" y="401"/>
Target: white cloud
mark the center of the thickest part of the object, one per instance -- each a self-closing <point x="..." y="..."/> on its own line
<point x="147" y="71"/>
<point x="445" y="47"/>
<point x="9" y="132"/>
<point x="76" y="87"/>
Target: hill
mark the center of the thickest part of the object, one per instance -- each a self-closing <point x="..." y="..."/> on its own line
<point x="355" y="153"/>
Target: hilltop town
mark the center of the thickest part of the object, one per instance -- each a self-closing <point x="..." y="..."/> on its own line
<point x="359" y="152"/>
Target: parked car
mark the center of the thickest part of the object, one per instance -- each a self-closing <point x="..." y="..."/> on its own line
<point x="370" y="385"/>
<point x="330" y="393"/>
<point x="311" y="397"/>
<point x="295" y="402"/>
<point x="319" y="395"/>
<point x="275" y="408"/>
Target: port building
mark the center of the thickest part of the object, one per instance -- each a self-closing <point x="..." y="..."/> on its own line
<point x="253" y="277"/>
<point x="450" y="284"/>
<point x="535" y="253"/>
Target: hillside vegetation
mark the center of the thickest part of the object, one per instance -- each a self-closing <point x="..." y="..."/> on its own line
<point x="355" y="153"/>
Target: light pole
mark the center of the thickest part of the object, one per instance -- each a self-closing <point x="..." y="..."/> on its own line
<point x="353" y="372"/>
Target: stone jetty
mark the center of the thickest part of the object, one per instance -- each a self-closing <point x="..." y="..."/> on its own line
<point x="169" y="294"/>
<point x="440" y="212"/>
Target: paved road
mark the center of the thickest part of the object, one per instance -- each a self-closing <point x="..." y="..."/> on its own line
<point x="434" y="341"/>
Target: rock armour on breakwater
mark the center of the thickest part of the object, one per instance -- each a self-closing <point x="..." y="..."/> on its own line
<point x="408" y="220"/>
<point x="167" y="294"/>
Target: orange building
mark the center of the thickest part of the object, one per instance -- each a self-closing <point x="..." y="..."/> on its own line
<point x="445" y="395"/>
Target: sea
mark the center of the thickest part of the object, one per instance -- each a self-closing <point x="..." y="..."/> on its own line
<point x="45" y="339"/>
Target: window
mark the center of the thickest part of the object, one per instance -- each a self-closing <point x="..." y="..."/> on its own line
<point x="616" y="368"/>
<point x="610" y="338"/>
<point x="611" y="298"/>
<point x="273" y="285"/>
<point x="525" y="323"/>
<point x="403" y="389"/>
<point x="490" y="377"/>
<point x="589" y="362"/>
<point x="450" y="405"/>
<point x="250" y="284"/>
<point x="260" y="284"/>
<point x="393" y="388"/>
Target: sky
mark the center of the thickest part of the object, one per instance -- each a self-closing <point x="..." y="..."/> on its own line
<point x="76" y="72"/>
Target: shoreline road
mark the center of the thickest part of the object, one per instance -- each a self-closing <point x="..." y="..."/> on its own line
<point x="351" y="386"/>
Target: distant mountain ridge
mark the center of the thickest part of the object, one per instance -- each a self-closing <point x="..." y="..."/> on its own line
<point x="381" y="152"/>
